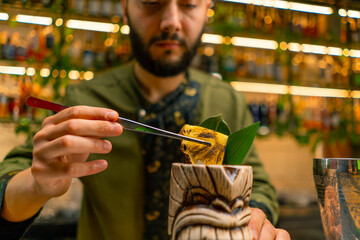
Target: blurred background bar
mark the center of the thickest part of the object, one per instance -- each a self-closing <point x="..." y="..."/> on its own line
<point x="298" y="62"/>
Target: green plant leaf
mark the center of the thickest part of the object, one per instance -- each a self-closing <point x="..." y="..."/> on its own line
<point x="239" y="144"/>
<point x="216" y="123"/>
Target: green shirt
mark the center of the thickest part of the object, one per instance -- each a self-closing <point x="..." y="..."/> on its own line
<point x="112" y="205"/>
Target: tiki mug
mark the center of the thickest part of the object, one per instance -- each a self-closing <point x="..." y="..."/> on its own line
<point x="209" y="202"/>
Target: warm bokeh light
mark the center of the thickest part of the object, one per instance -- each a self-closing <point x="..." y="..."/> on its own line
<point x="346" y="52"/>
<point x="353" y="14"/>
<point x="318" y="92"/>
<point x="310" y="8"/>
<point x="283" y="46"/>
<point x="342" y="12"/>
<point x="4" y="16"/>
<point x="210" y="13"/>
<point x="30" y="71"/>
<point x="294" y="47"/>
<point x="88" y="75"/>
<point x="212" y="38"/>
<point x="208" y="51"/>
<point x="69" y="38"/>
<point x="92" y="26"/>
<point x="125" y="29"/>
<point x="74" y="75"/>
<point x="63" y="74"/>
<point x="34" y="19"/>
<point x="108" y="42"/>
<point x="268" y="19"/>
<point x="260" y="87"/>
<point x="12" y="70"/>
<point x="254" y="43"/>
<point x="293" y="90"/>
<point x="55" y="73"/>
<point x="227" y="40"/>
<point x="45" y="72"/>
<point x="316" y="49"/>
<point x="59" y="22"/>
<point x="335" y="51"/>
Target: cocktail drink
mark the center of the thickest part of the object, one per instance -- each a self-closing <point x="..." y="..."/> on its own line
<point x="337" y="182"/>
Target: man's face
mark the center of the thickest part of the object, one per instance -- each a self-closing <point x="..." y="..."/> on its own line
<point x="166" y="33"/>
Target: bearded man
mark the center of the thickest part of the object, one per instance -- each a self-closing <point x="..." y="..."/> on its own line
<point x="126" y="195"/>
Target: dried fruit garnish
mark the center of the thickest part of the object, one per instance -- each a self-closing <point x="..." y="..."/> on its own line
<point x="200" y="153"/>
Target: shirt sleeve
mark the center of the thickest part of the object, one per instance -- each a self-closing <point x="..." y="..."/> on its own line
<point x="263" y="193"/>
<point x="17" y="160"/>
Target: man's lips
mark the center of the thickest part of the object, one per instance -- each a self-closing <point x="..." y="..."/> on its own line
<point x="168" y="44"/>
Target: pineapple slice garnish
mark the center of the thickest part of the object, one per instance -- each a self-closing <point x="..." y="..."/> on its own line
<point x="199" y="153"/>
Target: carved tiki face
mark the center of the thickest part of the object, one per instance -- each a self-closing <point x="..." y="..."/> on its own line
<point x="209" y="201"/>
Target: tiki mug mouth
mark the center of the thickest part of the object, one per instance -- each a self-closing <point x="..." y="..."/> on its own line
<point x="209" y="201"/>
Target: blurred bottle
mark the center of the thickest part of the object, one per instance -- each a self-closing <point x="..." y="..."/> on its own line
<point x="259" y="64"/>
<point x="269" y="66"/>
<point x="335" y="119"/>
<point x="118" y="8"/>
<point x="255" y="111"/>
<point x="228" y="66"/>
<point x="8" y="49"/>
<point x="34" y="44"/>
<point x="80" y="6"/>
<point x="13" y="97"/>
<point x="269" y="20"/>
<point x="25" y="90"/>
<point x="264" y="128"/>
<point x="241" y="70"/>
<point x="325" y="116"/>
<point x="49" y="39"/>
<point x="357" y="115"/>
<point x="88" y="57"/>
<point x="272" y="113"/>
<point x="311" y="26"/>
<point x="250" y="15"/>
<point x="4" y="109"/>
<point x="47" y="3"/>
<point x="75" y="52"/>
<point x="20" y="47"/>
<point x="250" y="58"/>
<point x="344" y="30"/>
<point x="94" y="7"/>
<point x="107" y="8"/>
<point x="100" y="57"/>
<point x="110" y="53"/>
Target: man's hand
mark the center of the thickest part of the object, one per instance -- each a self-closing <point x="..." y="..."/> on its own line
<point x="61" y="149"/>
<point x="262" y="229"/>
<point x="64" y="143"/>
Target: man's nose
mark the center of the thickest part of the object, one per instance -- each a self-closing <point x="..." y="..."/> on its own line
<point x="171" y="18"/>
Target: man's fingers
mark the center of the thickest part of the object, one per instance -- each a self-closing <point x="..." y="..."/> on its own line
<point x="267" y="231"/>
<point x="282" y="235"/>
<point x="83" y="127"/>
<point x="262" y="229"/>
<point x="256" y="222"/>
<point x="67" y="170"/>
<point x="77" y="169"/>
<point x="70" y="144"/>
<point x="84" y="112"/>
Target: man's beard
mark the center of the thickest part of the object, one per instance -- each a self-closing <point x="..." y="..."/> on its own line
<point x="161" y="67"/>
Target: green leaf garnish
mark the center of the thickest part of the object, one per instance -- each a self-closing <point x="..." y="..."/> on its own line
<point x="239" y="143"/>
<point x="216" y="123"/>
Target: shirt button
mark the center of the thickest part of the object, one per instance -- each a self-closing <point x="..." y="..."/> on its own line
<point x="142" y="113"/>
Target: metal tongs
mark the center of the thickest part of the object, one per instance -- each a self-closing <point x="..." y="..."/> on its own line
<point x="125" y="123"/>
